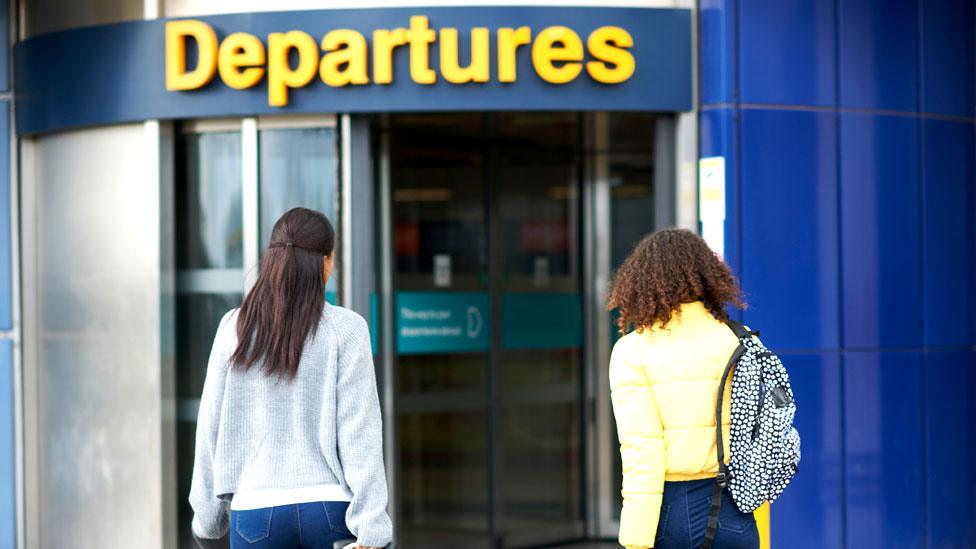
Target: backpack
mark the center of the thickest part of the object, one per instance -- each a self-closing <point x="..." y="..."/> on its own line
<point x="765" y="446"/>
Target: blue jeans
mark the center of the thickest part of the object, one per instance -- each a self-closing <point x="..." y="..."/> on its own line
<point x="306" y="525"/>
<point x="684" y="518"/>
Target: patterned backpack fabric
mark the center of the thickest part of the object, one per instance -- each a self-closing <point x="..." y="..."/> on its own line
<point x="765" y="446"/>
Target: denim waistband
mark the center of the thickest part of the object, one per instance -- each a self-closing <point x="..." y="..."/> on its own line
<point x="689" y="488"/>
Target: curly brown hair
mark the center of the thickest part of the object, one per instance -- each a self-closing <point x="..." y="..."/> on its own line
<point x="668" y="268"/>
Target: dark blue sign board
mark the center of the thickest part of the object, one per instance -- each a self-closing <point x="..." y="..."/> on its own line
<point x="116" y="73"/>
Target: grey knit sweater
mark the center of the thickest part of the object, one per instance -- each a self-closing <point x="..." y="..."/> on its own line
<point x="323" y="427"/>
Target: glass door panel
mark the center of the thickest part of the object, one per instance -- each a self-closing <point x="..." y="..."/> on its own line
<point x="209" y="256"/>
<point x="488" y="325"/>
<point x="295" y="166"/>
<point x="442" y="332"/>
<point x="535" y="182"/>
<point x="629" y="160"/>
<point x="298" y="167"/>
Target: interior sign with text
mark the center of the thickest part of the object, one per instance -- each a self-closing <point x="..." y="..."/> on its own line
<point x="442" y="322"/>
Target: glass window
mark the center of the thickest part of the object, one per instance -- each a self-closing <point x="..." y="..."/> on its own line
<point x="298" y="167"/>
<point x="486" y="225"/>
<point x="437" y="170"/>
<point x="630" y="160"/>
<point x="209" y="263"/>
<point x="209" y="232"/>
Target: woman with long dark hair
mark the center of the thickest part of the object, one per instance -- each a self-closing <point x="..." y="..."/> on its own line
<point x="672" y="295"/>
<point x="289" y="436"/>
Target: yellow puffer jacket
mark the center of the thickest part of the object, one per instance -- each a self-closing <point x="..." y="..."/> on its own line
<point x="664" y="383"/>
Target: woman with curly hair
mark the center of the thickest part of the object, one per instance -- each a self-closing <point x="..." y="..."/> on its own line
<point x="672" y="295"/>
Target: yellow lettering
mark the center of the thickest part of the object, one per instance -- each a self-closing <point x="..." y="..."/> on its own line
<point x="280" y="74"/>
<point x="557" y="45"/>
<point x="177" y="32"/>
<point x="614" y="63"/>
<point x="343" y="56"/>
<point x="384" y="42"/>
<point x="509" y="41"/>
<point x="421" y="37"/>
<point x="479" y="70"/>
<point x="345" y="60"/>
<point x="241" y="60"/>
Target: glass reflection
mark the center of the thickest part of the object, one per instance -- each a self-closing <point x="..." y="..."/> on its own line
<point x="209" y="255"/>
<point x="470" y="189"/>
<point x="209" y="230"/>
<point x="538" y="207"/>
<point x="437" y="169"/>
<point x="298" y="167"/>
<point x="631" y="165"/>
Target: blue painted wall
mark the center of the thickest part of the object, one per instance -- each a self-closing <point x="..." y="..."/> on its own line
<point x="849" y="128"/>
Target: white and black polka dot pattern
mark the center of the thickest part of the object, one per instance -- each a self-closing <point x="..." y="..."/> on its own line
<point x="765" y="448"/>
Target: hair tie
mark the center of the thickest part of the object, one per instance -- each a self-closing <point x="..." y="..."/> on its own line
<point x="293" y="245"/>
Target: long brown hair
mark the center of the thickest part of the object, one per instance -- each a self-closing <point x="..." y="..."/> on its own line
<point x="284" y="307"/>
<point x="666" y="269"/>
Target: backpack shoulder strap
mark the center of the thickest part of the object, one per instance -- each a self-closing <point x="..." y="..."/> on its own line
<point x="740" y="330"/>
<point x="722" y="480"/>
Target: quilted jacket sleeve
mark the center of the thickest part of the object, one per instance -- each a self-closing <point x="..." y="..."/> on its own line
<point x="641" y="446"/>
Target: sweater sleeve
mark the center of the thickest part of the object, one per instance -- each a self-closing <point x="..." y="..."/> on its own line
<point x="210" y="513"/>
<point x="641" y="448"/>
<point x="360" y="439"/>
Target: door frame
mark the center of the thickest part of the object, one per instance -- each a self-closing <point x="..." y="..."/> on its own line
<point x="388" y="358"/>
<point x="675" y="176"/>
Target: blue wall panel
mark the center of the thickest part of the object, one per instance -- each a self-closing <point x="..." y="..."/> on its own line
<point x="717" y="69"/>
<point x="7" y="467"/>
<point x="718" y="129"/>
<point x="786" y="52"/>
<point x="883" y="453"/>
<point x="950" y="449"/>
<point x="808" y="515"/>
<point x="947" y="53"/>
<point x="878" y="41"/>
<point x="880" y="236"/>
<point x="789" y="214"/>
<point x="947" y="190"/>
<point x="887" y="290"/>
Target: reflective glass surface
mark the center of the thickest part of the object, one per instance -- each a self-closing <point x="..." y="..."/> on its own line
<point x="298" y="167"/>
<point x="536" y="180"/>
<point x="630" y="160"/>
<point x="208" y="195"/>
<point x="209" y="252"/>
<point x="490" y="432"/>
<point x="437" y="169"/>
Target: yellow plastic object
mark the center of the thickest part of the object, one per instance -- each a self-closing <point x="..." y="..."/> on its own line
<point x="762" y="522"/>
